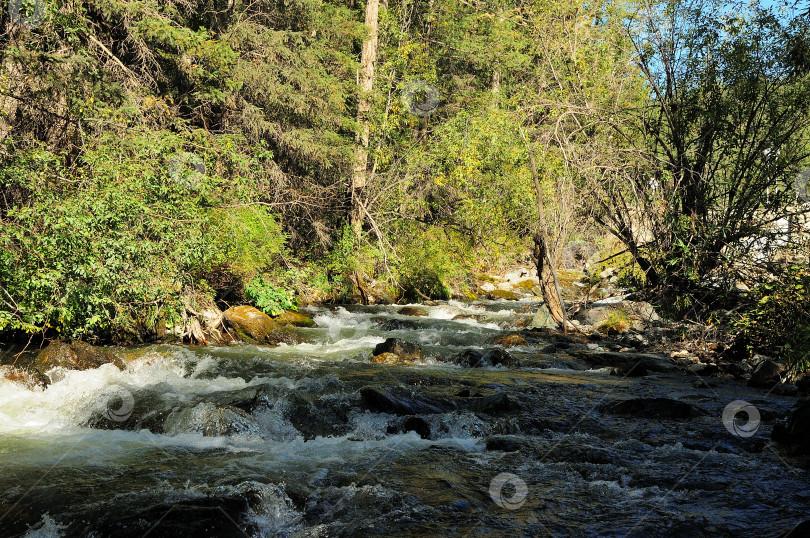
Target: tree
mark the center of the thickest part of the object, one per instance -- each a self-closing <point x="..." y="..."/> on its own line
<point x="705" y="166"/>
<point x="367" y="65"/>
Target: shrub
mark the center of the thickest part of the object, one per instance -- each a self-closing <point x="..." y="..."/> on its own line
<point x="268" y="298"/>
<point x="778" y="322"/>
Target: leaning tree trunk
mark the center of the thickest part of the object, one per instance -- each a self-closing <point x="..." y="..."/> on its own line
<point x="366" y="79"/>
<point x="545" y="270"/>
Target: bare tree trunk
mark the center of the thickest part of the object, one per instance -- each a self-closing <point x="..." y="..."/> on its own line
<point x="366" y="82"/>
<point x="545" y="270"/>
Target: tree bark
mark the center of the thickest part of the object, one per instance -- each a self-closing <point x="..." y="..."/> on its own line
<point x="366" y="82"/>
<point x="545" y="270"/>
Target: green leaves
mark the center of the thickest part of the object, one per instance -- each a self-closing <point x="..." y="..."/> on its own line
<point x="778" y="322"/>
<point x="268" y="298"/>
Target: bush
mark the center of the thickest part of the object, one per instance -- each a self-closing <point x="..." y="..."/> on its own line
<point x="778" y="323"/>
<point x="107" y="248"/>
<point x="268" y="298"/>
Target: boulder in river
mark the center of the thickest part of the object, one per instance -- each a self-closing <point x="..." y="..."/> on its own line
<point x="402" y="349"/>
<point x="209" y="419"/>
<point x="795" y="433"/>
<point x="391" y="359"/>
<point x="295" y="319"/>
<point x="74" y="356"/>
<point x="412" y="311"/>
<point x="412" y="424"/>
<point x="651" y="408"/>
<point x="30" y="379"/>
<point x="504" y="294"/>
<point x="387" y="401"/>
<point x="252" y="325"/>
<point x="766" y="375"/>
<point x="479" y="358"/>
<point x="510" y="340"/>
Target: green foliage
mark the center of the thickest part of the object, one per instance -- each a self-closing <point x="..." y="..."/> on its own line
<point x="617" y="322"/>
<point x="778" y="322"/>
<point x="431" y="262"/>
<point x="268" y="298"/>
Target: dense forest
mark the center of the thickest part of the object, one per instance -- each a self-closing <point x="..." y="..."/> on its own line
<point x="159" y="156"/>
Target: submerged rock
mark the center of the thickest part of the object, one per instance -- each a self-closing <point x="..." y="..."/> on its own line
<point x="295" y="319"/>
<point x="412" y="311"/>
<point x="510" y="340"/>
<point x="490" y="405"/>
<point x="402" y="349"/>
<point x="209" y="419"/>
<point x="253" y="325"/>
<point x="477" y="358"/>
<point x="74" y="356"/>
<point x="651" y="408"/>
<point x="382" y="401"/>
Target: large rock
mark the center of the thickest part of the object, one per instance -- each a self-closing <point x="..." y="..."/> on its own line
<point x="478" y="358"/>
<point x="490" y="405"/>
<point x="504" y="294"/>
<point x="796" y="432"/>
<point x="641" y="314"/>
<point x="253" y="325"/>
<point x="766" y="375"/>
<point x="399" y="403"/>
<point x="510" y="340"/>
<point x="295" y="319"/>
<point x="209" y="419"/>
<point x="74" y="356"/>
<point x="651" y="408"/>
<point x="30" y="379"/>
<point x="391" y="359"/>
<point x="412" y="311"/>
<point x="624" y="363"/>
<point x="404" y="350"/>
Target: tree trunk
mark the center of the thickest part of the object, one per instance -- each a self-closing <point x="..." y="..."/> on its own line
<point x="366" y="81"/>
<point x="545" y="270"/>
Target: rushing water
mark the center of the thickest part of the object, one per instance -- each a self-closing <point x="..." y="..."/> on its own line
<point x="258" y="441"/>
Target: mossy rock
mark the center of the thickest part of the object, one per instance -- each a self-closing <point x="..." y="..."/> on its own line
<point x="295" y="319"/>
<point x="74" y="356"/>
<point x="504" y="294"/>
<point x="617" y="322"/>
<point x="412" y="311"/>
<point x="510" y="340"/>
<point x="253" y="325"/>
<point x="392" y="359"/>
<point x="526" y="284"/>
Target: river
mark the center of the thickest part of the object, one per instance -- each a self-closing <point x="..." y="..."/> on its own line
<point x="314" y="440"/>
